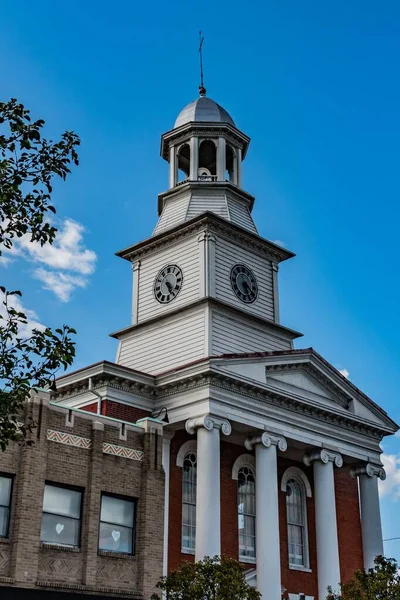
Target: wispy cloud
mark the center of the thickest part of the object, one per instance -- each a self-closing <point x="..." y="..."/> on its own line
<point x="391" y="485"/>
<point x="345" y="373"/>
<point x="61" y="284"/>
<point x="279" y="243"/>
<point x="16" y="303"/>
<point x="69" y="263"/>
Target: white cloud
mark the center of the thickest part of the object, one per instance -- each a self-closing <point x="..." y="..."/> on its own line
<point x="67" y="252"/>
<point x="61" y="284"/>
<point x="69" y="262"/>
<point x="345" y="373"/>
<point x="391" y="485"/>
<point x="16" y="303"/>
<point x="279" y="243"/>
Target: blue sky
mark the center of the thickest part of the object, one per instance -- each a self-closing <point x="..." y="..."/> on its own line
<point x="316" y="87"/>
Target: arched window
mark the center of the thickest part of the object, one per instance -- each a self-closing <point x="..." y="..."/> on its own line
<point x="296" y="517"/>
<point x="189" y="478"/>
<point x="183" y="162"/>
<point x="208" y="158"/>
<point x="246" y="513"/>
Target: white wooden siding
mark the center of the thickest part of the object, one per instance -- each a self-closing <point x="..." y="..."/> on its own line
<point x="201" y="202"/>
<point x="239" y="214"/>
<point x="173" y="213"/>
<point x="185" y="254"/>
<point x="236" y="336"/>
<point x="165" y="345"/>
<point x="226" y="256"/>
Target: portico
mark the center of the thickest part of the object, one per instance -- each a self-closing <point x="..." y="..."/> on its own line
<point x="266" y="445"/>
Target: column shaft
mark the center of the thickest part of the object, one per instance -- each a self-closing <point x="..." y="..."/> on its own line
<point x="172" y="167"/>
<point x="208" y="528"/>
<point x="370" y="520"/>
<point x="267" y="524"/>
<point x="194" y="158"/>
<point x="326" y="528"/>
<point x="221" y="159"/>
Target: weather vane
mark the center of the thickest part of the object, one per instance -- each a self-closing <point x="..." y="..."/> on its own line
<point x="202" y="89"/>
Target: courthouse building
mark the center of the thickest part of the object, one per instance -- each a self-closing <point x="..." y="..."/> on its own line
<point x="210" y="434"/>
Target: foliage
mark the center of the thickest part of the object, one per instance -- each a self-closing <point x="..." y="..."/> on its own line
<point x="208" y="579"/>
<point x="380" y="583"/>
<point x="29" y="357"/>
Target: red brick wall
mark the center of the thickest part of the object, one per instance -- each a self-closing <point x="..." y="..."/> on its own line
<point x="349" y="529"/>
<point x="117" y="410"/>
<point x="349" y="524"/>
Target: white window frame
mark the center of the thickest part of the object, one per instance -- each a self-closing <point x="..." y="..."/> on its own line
<point x="189" y="447"/>
<point x="245" y="460"/>
<point x="301" y="479"/>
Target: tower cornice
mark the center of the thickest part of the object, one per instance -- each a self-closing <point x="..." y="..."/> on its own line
<point x="217" y="225"/>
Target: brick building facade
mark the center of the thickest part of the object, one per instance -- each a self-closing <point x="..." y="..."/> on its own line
<point x="95" y="456"/>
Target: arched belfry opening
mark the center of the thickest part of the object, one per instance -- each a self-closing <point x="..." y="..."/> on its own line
<point x="207" y="169"/>
<point x="230" y="164"/>
<point x="183" y="156"/>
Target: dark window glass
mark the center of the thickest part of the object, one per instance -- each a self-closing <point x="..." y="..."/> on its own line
<point x="117" y="524"/>
<point x="5" y="504"/>
<point x="61" y="519"/>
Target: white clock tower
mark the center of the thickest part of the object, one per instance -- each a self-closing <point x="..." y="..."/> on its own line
<point x="205" y="283"/>
<point x="262" y="443"/>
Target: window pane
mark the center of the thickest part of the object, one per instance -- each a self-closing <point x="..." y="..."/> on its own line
<point x="115" y="538"/>
<point x="116" y="510"/>
<point x="60" y="530"/>
<point x="4" y="516"/>
<point x="5" y="491"/>
<point x="62" y="501"/>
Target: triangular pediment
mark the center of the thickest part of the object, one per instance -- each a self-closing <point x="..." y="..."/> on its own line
<point x="306" y="376"/>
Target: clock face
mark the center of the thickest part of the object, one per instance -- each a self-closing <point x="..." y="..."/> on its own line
<point x="244" y="283"/>
<point x="168" y="283"/>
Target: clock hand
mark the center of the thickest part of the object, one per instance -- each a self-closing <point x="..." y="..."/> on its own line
<point x="169" y="285"/>
<point x="246" y="287"/>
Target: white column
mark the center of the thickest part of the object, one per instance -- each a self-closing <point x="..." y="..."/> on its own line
<point x="221" y="159"/>
<point x="239" y="167"/>
<point x="208" y="499"/>
<point x="275" y="269"/>
<point x="194" y="158"/>
<point x="135" y="291"/>
<point x="328" y="565"/>
<point x="370" y="511"/>
<point x="267" y="514"/>
<point x="173" y="167"/>
<point x="166" y="454"/>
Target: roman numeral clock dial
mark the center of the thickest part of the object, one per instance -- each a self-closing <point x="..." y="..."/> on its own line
<point x="168" y="284"/>
<point x="244" y="283"/>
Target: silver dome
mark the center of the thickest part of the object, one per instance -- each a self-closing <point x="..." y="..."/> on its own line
<point x="203" y="109"/>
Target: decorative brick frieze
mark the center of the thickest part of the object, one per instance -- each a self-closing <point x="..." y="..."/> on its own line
<point x="122" y="451"/>
<point x="69" y="439"/>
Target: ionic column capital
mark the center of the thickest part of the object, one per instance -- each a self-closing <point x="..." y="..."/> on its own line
<point x="266" y="439"/>
<point x="369" y="470"/>
<point x="209" y="423"/>
<point x="325" y="456"/>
